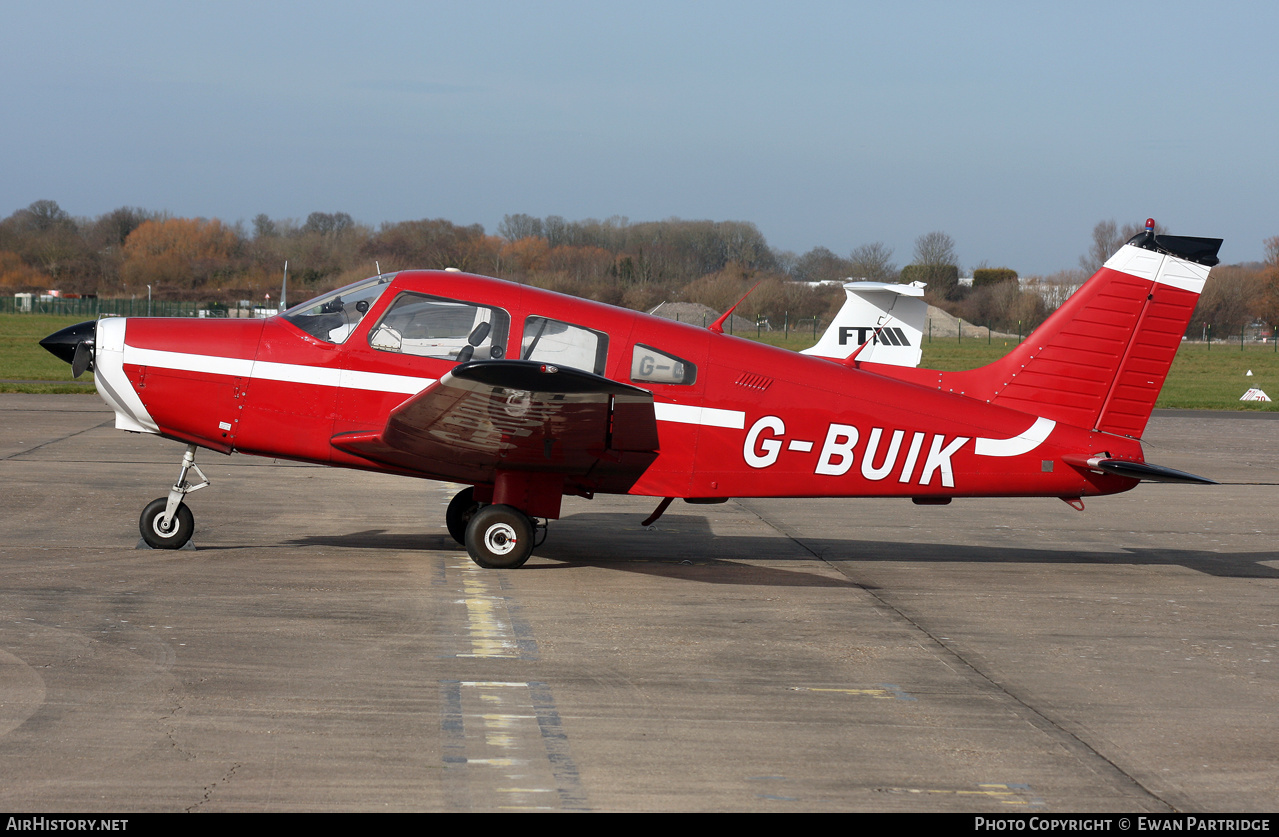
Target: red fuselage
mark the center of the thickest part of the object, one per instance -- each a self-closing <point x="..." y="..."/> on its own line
<point x="747" y="420"/>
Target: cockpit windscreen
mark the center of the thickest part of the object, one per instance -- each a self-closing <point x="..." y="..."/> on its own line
<point x="333" y="317"/>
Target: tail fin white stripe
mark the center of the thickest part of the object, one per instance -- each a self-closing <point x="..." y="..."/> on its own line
<point x="1157" y="267"/>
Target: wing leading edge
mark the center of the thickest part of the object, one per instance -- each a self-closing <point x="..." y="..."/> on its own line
<point x="518" y="415"/>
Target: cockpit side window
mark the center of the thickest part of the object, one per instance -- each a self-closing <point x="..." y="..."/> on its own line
<point x="564" y="344"/>
<point x="448" y="329"/>
<point x="335" y="316"/>
<point x="653" y="366"/>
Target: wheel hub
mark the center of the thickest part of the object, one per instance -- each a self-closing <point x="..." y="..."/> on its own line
<point x="500" y="539"/>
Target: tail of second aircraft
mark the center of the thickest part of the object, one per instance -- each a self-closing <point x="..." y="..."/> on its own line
<point x="1100" y="359"/>
<point x="888" y="318"/>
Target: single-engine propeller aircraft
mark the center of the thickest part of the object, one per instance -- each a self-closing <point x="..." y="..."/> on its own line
<point x="526" y="396"/>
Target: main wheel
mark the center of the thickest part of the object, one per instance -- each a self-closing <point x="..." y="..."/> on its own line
<point x="499" y="537"/>
<point x="152" y="525"/>
<point x="461" y="509"/>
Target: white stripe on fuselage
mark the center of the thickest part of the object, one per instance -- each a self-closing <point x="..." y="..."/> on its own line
<point x="1023" y="442"/>
<point x="409" y="385"/>
<point x="207" y="364"/>
<point x="706" y="416"/>
<point x="286" y="372"/>
<point x="375" y="381"/>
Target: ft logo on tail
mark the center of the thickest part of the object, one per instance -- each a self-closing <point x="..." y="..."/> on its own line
<point x="891" y="335"/>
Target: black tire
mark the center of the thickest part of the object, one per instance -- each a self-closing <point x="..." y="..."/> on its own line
<point x="181" y="528"/>
<point x="499" y="537"/>
<point x="461" y="509"/>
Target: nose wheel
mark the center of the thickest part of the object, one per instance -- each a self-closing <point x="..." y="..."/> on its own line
<point x="167" y="523"/>
<point x="161" y="535"/>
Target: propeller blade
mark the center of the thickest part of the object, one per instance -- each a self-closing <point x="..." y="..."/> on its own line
<point x="83" y="358"/>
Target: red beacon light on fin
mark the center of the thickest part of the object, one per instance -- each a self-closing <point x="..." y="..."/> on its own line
<point x="1150" y="225"/>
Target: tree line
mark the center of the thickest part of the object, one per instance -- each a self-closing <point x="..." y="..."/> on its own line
<point x="633" y="264"/>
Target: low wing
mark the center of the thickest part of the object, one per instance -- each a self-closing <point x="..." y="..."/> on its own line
<point x="518" y="415"/>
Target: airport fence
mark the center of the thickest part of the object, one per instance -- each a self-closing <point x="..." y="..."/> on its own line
<point x="91" y="307"/>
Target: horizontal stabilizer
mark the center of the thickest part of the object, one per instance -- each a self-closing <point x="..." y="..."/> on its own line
<point x="1136" y="470"/>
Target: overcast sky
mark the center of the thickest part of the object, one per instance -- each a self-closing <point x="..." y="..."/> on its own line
<point x="1014" y="127"/>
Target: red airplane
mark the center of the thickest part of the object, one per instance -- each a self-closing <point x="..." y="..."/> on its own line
<point x="526" y="396"/>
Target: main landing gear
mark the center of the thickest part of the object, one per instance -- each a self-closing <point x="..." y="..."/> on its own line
<point x="497" y="537"/>
<point x="462" y="508"/>
<point x="167" y="523"/>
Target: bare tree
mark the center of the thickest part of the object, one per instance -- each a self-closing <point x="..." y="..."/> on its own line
<point x="46" y="215"/>
<point x="935" y="249"/>
<point x="1107" y="238"/>
<point x="1056" y="288"/>
<point x="936" y="266"/>
<point x="1105" y="241"/>
<point x="1230" y="301"/>
<point x="1268" y="309"/>
<point x="517" y="226"/>
<point x="328" y="224"/>
<point x="111" y="229"/>
<point x="263" y="226"/>
<point x="821" y="265"/>
<point x="873" y="261"/>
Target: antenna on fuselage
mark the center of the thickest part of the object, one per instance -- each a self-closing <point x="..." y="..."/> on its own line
<point x="378" y="267"/>
<point x="284" y="288"/>
<point x="718" y="325"/>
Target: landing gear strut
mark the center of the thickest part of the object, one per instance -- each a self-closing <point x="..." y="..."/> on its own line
<point x="167" y="523"/>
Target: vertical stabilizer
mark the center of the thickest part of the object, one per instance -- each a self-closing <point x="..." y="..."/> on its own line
<point x="1100" y="360"/>
<point x="896" y="312"/>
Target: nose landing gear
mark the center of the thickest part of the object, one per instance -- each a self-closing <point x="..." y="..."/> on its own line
<point x="167" y="523"/>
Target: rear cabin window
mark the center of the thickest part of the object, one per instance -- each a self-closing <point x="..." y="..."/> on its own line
<point x="448" y="329"/>
<point x="564" y="344"/>
<point x="653" y="366"/>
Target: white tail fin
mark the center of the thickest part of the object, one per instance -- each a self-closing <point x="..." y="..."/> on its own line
<point x="897" y="312"/>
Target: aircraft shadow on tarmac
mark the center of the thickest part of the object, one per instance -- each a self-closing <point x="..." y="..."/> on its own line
<point x="619" y="543"/>
<point x="683" y="546"/>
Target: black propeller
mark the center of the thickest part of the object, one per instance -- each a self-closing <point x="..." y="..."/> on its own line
<point x="74" y="344"/>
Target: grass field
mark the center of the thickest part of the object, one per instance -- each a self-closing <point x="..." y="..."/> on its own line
<point x="1203" y="376"/>
<point x="22" y="359"/>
